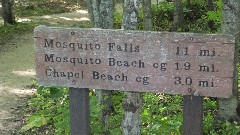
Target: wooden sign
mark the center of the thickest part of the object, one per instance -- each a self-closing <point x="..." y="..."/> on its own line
<point x="174" y="63"/>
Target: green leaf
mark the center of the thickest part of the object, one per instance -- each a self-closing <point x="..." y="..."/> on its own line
<point x="35" y="121"/>
<point x="56" y="92"/>
<point x="40" y="89"/>
<point x="211" y="15"/>
<point x="219" y="4"/>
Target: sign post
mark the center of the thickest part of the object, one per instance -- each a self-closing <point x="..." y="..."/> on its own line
<point x="190" y="64"/>
<point x="192" y="115"/>
<point x="79" y="111"/>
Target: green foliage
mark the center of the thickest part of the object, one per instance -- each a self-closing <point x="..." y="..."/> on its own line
<point x="35" y="121"/>
<point x="162" y="16"/>
<point x="49" y="106"/>
<point x="195" y="16"/>
<point x="161" y="114"/>
<point x="114" y="120"/>
<point x="227" y="128"/>
<point x="222" y="127"/>
<point x="117" y="20"/>
<point x="216" y="15"/>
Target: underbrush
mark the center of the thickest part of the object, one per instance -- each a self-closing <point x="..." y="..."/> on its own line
<point x="161" y="114"/>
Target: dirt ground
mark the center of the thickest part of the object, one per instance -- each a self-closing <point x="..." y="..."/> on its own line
<point x="17" y="68"/>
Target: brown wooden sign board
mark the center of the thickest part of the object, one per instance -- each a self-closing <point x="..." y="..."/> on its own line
<point x="161" y="62"/>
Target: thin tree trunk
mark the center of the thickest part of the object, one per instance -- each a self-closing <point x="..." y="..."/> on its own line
<point x="90" y="11"/>
<point x="133" y="101"/>
<point x="130" y="14"/>
<point x="178" y="20"/>
<point x="95" y="13"/>
<point x="230" y="25"/>
<point x="102" y="16"/>
<point x="131" y="124"/>
<point x="107" y="14"/>
<point x="147" y="16"/>
<point x="7" y="11"/>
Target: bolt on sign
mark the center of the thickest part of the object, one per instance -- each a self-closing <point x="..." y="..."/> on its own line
<point x="143" y="61"/>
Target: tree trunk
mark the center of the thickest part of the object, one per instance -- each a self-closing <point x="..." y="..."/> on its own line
<point x="90" y="11"/>
<point x="130" y="14"/>
<point x="230" y="25"/>
<point x="102" y="16"/>
<point x="93" y="7"/>
<point x="131" y="124"/>
<point x="147" y="16"/>
<point x="7" y="11"/>
<point x="178" y="20"/>
<point x="107" y="14"/>
<point x="133" y="101"/>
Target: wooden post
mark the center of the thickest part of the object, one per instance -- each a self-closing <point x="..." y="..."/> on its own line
<point x="192" y="115"/>
<point x="79" y="111"/>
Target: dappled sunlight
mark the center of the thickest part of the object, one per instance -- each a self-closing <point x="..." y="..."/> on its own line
<point x="23" y="20"/>
<point x="82" y="19"/>
<point x="82" y="11"/>
<point x="46" y="17"/>
<point x="74" y="19"/>
<point x="76" y="16"/>
<point x="65" y="18"/>
<point x="20" y="92"/>
<point x="29" y="72"/>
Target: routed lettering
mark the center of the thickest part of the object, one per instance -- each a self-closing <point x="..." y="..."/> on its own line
<point x="207" y="52"/>
<point x="100" y="76"/>
<point x="74" y="61"/>
<point x="74" y="46"/>
<point x="123" y="48"/>
<point x="114" y="62"/>
<point x="63" y="74"/>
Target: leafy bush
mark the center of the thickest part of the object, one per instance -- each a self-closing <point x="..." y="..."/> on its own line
<point x="49" y="106"/>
